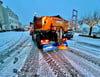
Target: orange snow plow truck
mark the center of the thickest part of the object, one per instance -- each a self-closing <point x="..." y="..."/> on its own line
<point x="48" y="32"/>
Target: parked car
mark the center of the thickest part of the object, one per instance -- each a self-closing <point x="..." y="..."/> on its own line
<point x="68" y="34"/>
<point x="19" y="29"/>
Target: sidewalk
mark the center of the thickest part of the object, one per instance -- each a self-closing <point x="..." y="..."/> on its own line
<point x="89" y="40"/>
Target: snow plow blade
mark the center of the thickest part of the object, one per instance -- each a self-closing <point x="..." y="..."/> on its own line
<point x="63" y="46"/>
<point x="50" y="47"/>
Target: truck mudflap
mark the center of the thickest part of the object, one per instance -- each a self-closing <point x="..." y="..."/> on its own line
<point x="54" y="46"/>
<point x="65" y="43"/>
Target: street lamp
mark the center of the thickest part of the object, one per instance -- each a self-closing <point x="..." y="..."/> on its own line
<point x="35" y="13"/>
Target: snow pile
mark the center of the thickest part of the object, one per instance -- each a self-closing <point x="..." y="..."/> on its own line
<point x="96" y="28"/>
<point x="85" y="28"/>
<point x="98" y="24"/>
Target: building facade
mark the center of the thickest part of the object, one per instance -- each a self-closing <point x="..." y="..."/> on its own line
<point x="3" y="17"/>
<point x="13" y="19"/>
<point x="8" y="19"/>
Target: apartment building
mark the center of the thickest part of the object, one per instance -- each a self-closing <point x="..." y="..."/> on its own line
<point x="8" y="19"/>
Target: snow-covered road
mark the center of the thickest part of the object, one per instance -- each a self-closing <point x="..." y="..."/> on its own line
<point x="18" y="51"/>
<point x="13" y="45"/>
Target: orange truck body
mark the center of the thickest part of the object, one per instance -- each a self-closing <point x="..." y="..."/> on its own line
<point x="45" y="23"/>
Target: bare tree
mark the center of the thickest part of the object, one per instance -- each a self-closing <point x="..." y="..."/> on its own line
<point x="91" y="20"/>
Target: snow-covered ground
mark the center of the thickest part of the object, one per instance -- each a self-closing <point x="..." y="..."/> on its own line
<point x="86" y="39"/>
<point x="9" y="41"/>
<point x="8" y="70"/>
<point x="13" y="39"/>
<point x="87" y="45"/>
<point x="32" y="60"/>
<point x="87" y="68"/>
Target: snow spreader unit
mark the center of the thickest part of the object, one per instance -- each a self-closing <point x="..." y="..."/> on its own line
<point x="47" y="31"/>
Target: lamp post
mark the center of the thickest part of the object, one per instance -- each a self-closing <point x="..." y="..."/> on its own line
<point x="0" y="23"/>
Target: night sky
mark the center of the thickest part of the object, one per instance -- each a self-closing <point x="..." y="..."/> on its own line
<point x="25" y="8"/>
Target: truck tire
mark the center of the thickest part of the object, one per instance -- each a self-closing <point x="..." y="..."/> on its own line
<point x="32" y="37"/>
<point x="38" y="42"/>
<point x="39" y="46"/>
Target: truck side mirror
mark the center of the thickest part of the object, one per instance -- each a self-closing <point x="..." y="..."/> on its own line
<point x="31" y="23"/>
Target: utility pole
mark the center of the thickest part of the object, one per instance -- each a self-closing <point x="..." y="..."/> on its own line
<point x="74" y="18"/>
